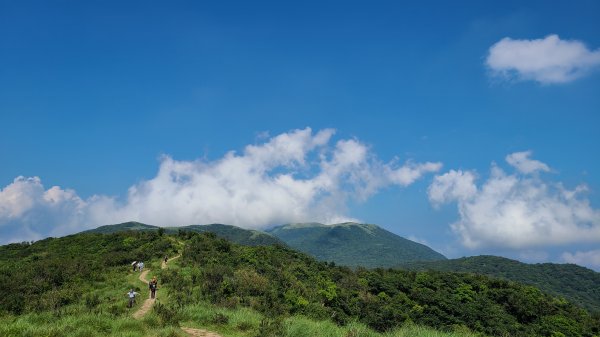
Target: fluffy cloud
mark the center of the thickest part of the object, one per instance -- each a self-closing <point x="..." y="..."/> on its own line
<point x="295" y="176"/>
<point x="517" y="210"/>
<point x="521" y="161"/>
<point x="590" y="258"/>
<point x="548" y="60"/>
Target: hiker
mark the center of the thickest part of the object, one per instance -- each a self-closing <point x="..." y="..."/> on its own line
<point x="134" y="264"/>
<point x="132" y="293"/>
<point x="140" y="266"/>
<point x="153" y="285"/>
<point x="166" y="258"/>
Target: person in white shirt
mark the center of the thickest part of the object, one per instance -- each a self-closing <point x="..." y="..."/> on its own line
<point x="132" y="294"/>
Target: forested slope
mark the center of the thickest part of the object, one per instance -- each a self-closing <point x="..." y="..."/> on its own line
<point x="575" y="283"/>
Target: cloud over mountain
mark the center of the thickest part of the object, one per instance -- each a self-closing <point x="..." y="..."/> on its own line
<point x="295" y="176"/>
<point x="549" y="60"/>
<point x="585" y="258"/>
<point x="518" y="210"/>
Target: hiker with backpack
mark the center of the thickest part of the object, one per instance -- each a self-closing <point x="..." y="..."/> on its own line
<point x="131" y="294"/>
<point x="153" y="285"/>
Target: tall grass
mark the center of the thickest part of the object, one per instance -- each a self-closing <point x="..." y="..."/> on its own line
<point x="244" y="322"/>
<point x="83" y="325"/>
<point x="102" y="312"/>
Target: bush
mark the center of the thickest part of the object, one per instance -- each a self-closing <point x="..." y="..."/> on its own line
<point x="219" y="318"/>
<point x="270" y="327"/>
<point x="167" y="315"/>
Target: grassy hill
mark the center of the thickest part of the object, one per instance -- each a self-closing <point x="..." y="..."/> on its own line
<point x="122" y="227"/>
<point x="232" y="233"/>
<point x="236" y="234"/>
<point x="577" y="284"/>
<point x="74" y="286"/>
<point x="352" y="244"/>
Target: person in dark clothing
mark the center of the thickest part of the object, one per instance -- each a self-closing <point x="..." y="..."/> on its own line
<point x="153" y="285"/>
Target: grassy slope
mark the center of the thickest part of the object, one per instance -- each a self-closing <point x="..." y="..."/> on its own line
<point x="235" y="234"/>
<point x="353" y="244"/>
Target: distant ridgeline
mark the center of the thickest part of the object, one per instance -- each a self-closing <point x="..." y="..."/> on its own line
<point x="348" y="244"/>
<point x="57" y="276"/>
<point x="352" y="244"/>
<point x="575" y="283"/>
<point x="231" y="233"/>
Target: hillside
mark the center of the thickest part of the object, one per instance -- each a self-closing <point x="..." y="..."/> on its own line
<point x="75" y="286"/>
<point x="352" y="244"/>
<point x="235" y="234"/>
<point x="125" y="226"/>
<point x="577" y="284"/>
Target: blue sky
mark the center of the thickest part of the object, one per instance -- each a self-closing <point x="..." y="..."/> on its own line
<point x="96" y="97"/>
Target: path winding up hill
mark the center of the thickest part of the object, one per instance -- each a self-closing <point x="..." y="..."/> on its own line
<point x="149" y="302"/>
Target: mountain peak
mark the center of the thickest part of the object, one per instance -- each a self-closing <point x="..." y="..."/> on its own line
<point x="354" y="244"/>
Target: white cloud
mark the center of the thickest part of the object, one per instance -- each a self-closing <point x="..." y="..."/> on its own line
<point x="453" y="185"/>
<point x="517" y="211"/>
<point x="589" y="258"/>
<point x="297" y="176"/>
<point x="521" y="161"/>
<point x="549" y="60"/>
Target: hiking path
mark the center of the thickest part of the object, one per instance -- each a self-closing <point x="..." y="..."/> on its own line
<point x="149" y="302"/>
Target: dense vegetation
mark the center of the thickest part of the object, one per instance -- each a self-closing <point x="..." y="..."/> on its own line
<point x="577" y="284"/>
<point x="279" y="281"/>
<point x="352" y="244"/>
<point x="75" y="286"/>
<point x="235" y="234"/>
<point x="53" y="273"/>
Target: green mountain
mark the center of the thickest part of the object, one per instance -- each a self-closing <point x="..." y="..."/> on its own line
<point x="122" y="227"/>
<point x="575" y="283"/>
<point x="353" y="244"/>
<point x="76" y="285"/>
<point x="235" y="234"/>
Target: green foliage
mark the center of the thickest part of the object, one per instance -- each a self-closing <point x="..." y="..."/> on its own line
<point x="235" y="234"/>
<point x="353" y="244"/>
<point x="270" y="327"/>
<point x="53" y="273"/>
<point x="576" y="284"/>
<point x="168" y="315"/>
<point x="278" y="281"/>
<point x="259" y="290"/>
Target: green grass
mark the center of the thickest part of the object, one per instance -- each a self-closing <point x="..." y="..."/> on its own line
<point x="244" y="322"/>
<point x="102" y="312"/>
<point x="83" y="325"/>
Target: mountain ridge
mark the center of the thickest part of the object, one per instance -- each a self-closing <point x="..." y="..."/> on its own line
<point x="233" y="233"/>
<point x="346" y="244"/>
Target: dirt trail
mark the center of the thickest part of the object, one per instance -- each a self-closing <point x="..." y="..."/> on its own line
<point x="148" y="303"/>
<point x="199" y="332"/>
<point x="163" y="265"/>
